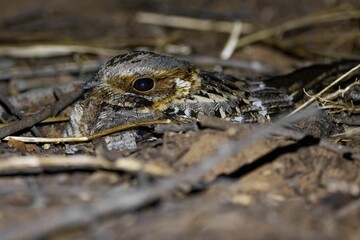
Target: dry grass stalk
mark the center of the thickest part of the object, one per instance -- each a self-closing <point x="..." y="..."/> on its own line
<point x="189" y="23"/>
<point x="55" y="69"/>
<point x="87" y="138"/>
<point x="298" y="23"/>
<point x="345" y="76"/>
<point x="327" y="102"/>
<point x="349" y="132"/>
<point x="51" y="50"/>
<point x="37" y="164"/>
<point x="48" y="120"/>
<point x="230" y="45"/>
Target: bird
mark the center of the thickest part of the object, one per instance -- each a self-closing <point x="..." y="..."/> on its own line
<point x="140" y="86"/>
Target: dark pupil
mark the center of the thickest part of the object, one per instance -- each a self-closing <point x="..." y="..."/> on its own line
<point x="144" y="84"/>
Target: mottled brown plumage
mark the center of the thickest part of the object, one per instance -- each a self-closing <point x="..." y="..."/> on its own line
<point x="141" y="86"/>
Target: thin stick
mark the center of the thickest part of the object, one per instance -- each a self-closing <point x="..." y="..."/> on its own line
<point x="189" y="23"/>
<point x="19" y="115"/>
<point x="69" y="67"/>
<point x="52" y="110"/>
<point x="297" y="23"/>
<point x="349" y="209"/>
<point x="87" y="138"/>
<point x="49" y="50"/>
<point x="38" y="164"/>
<point x="230" y="45"/>
<point x="313" y="98"/>
<point x="353" y="131"/>
<point x="47" y="120"/>
<point x="56" y="119"/>
<point x="98" y="47"/>
<point x="232" y="63"/>
<point x="40" y="97"/>
<point x="341" y="91"/>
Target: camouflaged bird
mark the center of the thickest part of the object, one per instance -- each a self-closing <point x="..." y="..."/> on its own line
<point x="141" y="86"/>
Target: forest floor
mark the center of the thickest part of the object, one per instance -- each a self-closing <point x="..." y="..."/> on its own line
<point x="294" y="178"/>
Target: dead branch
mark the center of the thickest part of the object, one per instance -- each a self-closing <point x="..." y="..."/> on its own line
<point x="87" y="138"/>
<point x="298" y="23"/>
<point x="50" y="50"/>
<point x="18" y="72"/>
<point x="189" y="23"/>
<point x="38" y="164"/>
<point x="230" y="45"/>
<point x="47" y="120"/>
<point x="40" y="97"/>
<point x="14" y="111"/>
<point x="323" y="143"/>
<point x="231" y="63"/>
<point x="349" y="132"/>
<point x="52" y="110"/>
<point x="348" y="209"/>
<point x="345" y="76"/>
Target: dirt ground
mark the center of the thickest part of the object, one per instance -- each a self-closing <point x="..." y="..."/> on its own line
<point x="294" y="178"/>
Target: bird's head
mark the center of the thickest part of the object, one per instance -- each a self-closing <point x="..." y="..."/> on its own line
<point x="144" y="79"/>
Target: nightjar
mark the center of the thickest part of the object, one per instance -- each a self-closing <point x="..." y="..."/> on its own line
<point x="141" y="86"/>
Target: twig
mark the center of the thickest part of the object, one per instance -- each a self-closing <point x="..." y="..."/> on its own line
<point x="189" y="23"/>
<point x="232" y="63"/>
<point x="87" y="138"/>
<point x="328" y="103"/>
<point x="323" y="143"/>
<point x="341" y="91"/>
<point x="37" y="164"/>
<point x="37" y="98"/>
<point x="58" y="48"/>
<point x="297" y="23"/>
<point x="125" y="201"/>
<point x="10" y="107"/>
<point x="348" y="209"/>
<point x="87" y="66"/>
<point x="50" y="50"/>
<point x="312" y="99"/>
<point x="13" y="110"/>
<point x="351" y="131"/>
<point x="55" y="119"/>
<point x="52" y="110"/>
<point x="230" y="45"/>
<point x="47" y="120"/>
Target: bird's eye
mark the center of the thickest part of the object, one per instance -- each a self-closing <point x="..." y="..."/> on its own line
<point x="144" y="84"/>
